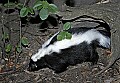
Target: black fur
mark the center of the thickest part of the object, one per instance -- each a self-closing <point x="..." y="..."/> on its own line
<point x="70" y="56"/>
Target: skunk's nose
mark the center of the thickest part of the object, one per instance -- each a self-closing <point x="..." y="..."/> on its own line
<point x="32" y="67"/>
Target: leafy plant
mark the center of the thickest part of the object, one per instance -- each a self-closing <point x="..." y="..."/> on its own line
<point x="10" y="5"/>
<point x="25" y="10"/>
<point x="44" y="8"/>
<point x="13" y="5"/>
<point x="65" y="34"/>
<point x="24" y="41"/>
<point x="5" y="36"/>
<point x="8" y="48"/>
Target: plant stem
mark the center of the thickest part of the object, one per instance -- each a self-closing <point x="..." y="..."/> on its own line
<point x="20" y="35"/>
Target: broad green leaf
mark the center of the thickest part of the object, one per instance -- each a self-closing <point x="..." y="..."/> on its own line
<point x="37" y="5"/>
<point x="24" y="41"/>
<point x="67" y="26"/>
<point x="43" y="13"/>
<point x="30" y="10"/>
<point x="59" y="37"/>
<point x="68" y="35"/>
<point x="24" y="12"/>
<point x="53" y="8"/>
<point x="8" y="47"/>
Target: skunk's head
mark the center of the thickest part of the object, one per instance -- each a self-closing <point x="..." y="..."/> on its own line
<point x="36" y="65"/>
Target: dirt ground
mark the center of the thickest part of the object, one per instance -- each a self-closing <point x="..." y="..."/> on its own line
<point x="14" y="68"/>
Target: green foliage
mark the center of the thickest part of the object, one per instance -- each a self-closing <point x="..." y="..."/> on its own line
<point x="10" y="5"/>
<point x="37" y="5"/>
<point x="68" y="35"/>
<point x="59" y="37"/>
<point x="8" y="48"/>
<point x="30" y="10"/>
<point x="44" y="8"/>
<point x="5" y="36"/>
<point x="13" y="5"/>
<point x="24" y="41"/>
<point x="25" y="10"/>
<point x="64" y="34"/>
<point x="19" y="6"/>
<point x="43" y="13"/>
<point x="52" y="8"/>
<point x="66" y="26"/>
<point x="18" y="48"/>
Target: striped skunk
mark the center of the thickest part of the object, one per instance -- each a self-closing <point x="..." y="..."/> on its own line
<point x="58" y="55"/>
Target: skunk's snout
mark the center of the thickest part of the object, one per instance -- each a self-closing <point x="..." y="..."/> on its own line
<point x="32" y="66"/>
<point x="35" y="66"/>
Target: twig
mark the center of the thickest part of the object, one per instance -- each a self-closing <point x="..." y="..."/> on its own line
<point x="30" y="33"/>
<point x="8" y="72"/>
<point x="3" y="48"/>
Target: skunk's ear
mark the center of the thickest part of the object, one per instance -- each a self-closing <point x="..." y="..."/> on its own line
<point x="56" y="63"/>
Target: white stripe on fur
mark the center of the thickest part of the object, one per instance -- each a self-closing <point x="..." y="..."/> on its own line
<point x="47" y="42"/>
<point x="76" y="39"/>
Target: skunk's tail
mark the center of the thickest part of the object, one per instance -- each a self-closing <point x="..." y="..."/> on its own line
<point x="85" y="18"/>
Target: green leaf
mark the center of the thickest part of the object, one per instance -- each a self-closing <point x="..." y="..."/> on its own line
<point x="68" y="35"/>
<point x="53" y="8"/>
<point x="45" y="4"/>
<point x="10" y="5"/>
<point x="19" y="5"/>
<point x="43" y="13"/>
<point x="37" y="5"/>
<point x="5" y="36"/>
<point x="63" y="34"/>
<point x="30" y="10"/>
<point x="8" y="47"/>
<point x="67" y="26"/>
<point x="19" y="49"/>
<point x="24" y="12"/>
<point x="24" y="41"/>
<point x="59" y="37"/>
<point x="37" y="2"/>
